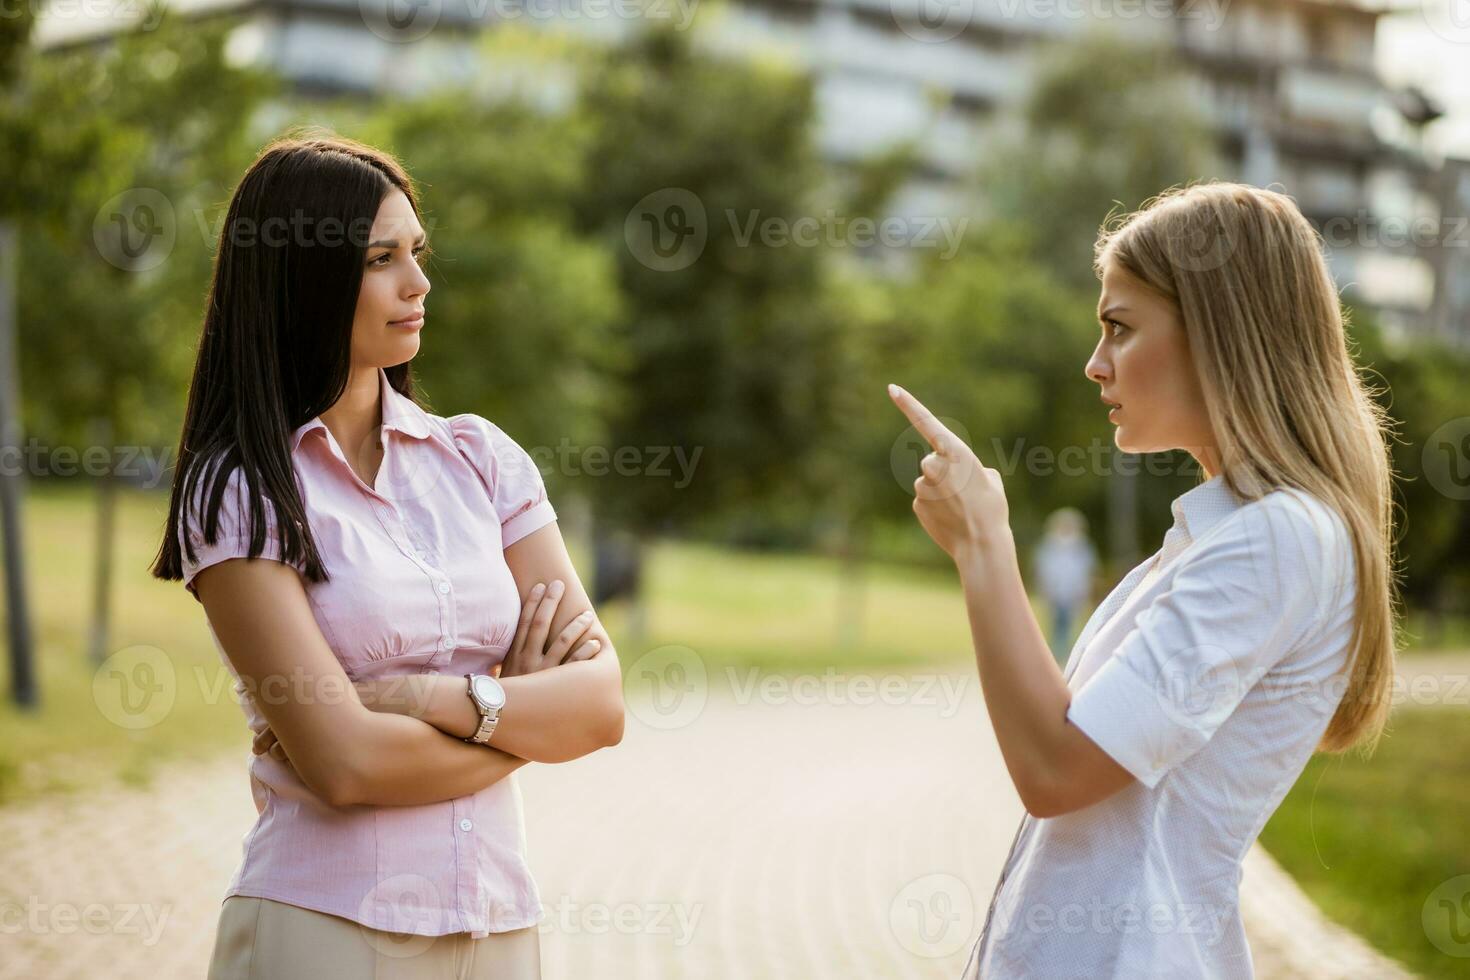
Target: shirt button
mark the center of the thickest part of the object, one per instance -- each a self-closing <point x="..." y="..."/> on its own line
<point x="444" y="587"/>
<point x="465" y="824"/>
<point x="446" y="643"/>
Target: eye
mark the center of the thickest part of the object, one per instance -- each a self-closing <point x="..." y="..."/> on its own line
<point x="1116" y="327"/>
<point x="382" y="260"/>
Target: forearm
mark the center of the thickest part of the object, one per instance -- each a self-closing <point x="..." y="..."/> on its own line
<point x="398" y="760"/>
<point x="1025" y="692"/>
<point x="553" y="715"/>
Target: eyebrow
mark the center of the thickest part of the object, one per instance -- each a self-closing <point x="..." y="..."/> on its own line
<point x="1110" y="311"/>
<point x="393" y="242"/>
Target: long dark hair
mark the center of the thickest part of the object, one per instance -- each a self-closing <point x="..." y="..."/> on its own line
<point x="276" y="345"/>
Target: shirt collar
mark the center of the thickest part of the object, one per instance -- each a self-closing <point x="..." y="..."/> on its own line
<point x="399" y="414"/>
<point x="1204" y="506"/>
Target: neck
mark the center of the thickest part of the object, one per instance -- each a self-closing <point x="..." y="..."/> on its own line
<point x="358" y="413"/>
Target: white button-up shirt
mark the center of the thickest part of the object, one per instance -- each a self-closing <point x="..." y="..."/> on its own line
<point x="1209" y="673"/>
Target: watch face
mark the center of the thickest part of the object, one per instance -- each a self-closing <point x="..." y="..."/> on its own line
<point x="488" y="690"/>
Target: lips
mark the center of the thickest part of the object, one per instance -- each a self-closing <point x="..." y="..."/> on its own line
<point x="415" y="319"/>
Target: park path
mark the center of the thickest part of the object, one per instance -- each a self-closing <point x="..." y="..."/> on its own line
<point x="761" y="837"/>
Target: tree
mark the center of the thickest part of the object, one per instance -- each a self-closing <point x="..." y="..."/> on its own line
<point x="127" y="143"/>
<point x="702" y="164"/>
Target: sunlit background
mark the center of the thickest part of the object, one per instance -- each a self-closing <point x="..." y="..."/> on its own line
<point x="679" y="248"/>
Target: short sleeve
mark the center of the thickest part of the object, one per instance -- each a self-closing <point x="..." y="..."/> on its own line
<point x="232" y="529"/>
<point x="516" y="488"/>
<point x="1253" y="590"/>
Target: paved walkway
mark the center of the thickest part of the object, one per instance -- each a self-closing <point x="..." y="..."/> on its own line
<point x="728" y="836"/>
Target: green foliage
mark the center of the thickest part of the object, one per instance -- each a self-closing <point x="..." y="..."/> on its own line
<point x="731" y="354"/>
<point x="160" y="112"/>
<point x="1108" y="124"/>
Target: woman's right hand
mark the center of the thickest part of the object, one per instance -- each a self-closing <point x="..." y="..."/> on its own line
<point x="529" y="652"/>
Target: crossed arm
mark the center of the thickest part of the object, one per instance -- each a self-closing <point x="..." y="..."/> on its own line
<point x="407" y="749"/>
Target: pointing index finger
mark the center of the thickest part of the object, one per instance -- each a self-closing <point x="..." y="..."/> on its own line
<point x="933" y="430"/>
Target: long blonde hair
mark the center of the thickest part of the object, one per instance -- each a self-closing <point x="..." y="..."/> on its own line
<point x="1285" y="399"/>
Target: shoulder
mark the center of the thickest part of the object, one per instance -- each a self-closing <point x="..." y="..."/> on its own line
<point x="503" y="464"/>
<point x="1293" y="522"/>
<point x="482" y="441"/>
<point x="211" y="481"/>
<point x="1288" y="542"/>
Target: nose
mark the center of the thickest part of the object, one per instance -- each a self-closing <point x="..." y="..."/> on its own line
<point x="1098" y="367"/>
<point x="419" y="284"/>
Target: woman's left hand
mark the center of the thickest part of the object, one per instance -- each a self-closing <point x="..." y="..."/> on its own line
<point x="959" y="501"/>
<point x="265" y="743"/>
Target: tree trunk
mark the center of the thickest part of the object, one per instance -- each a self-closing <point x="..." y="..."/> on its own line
<point x="23" y="689"/>
<point x="102" y="578"/>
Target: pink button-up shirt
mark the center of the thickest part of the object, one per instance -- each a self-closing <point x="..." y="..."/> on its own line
<point x="419" y="584"/>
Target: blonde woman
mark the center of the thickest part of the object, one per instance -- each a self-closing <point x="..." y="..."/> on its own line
<point x="1262" y="630"/>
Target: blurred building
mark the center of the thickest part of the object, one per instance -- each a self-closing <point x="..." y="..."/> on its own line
<point x="1290" y="86"/>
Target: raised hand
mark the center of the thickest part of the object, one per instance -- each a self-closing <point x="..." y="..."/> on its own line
<point x="959" y="501"/>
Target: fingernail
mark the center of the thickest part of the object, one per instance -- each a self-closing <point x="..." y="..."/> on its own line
<point x="595" y="643"/>
<point x="540" y="588"/>
<point x="557" y="586"/>
<point x="585" y="615"/>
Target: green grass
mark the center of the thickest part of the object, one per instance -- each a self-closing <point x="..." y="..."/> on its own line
<point x="1370" y="840"/>
<point x="777" y="612"/>
<point x="1450" y="633"/>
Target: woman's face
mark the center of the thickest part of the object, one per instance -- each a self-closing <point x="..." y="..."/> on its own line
<point x="390" y="304"/>
<point x="1142" y="364"/>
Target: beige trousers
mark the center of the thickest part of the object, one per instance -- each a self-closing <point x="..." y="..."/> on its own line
<point x="260" y="939"/>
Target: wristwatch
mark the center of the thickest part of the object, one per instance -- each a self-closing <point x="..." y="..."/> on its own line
<point x="489" y="698"/>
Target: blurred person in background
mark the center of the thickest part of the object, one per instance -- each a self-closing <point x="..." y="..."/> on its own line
<point x="388" y="587"/>
<point x="1065" y="561"/>
<point x="1261" y="631"/>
